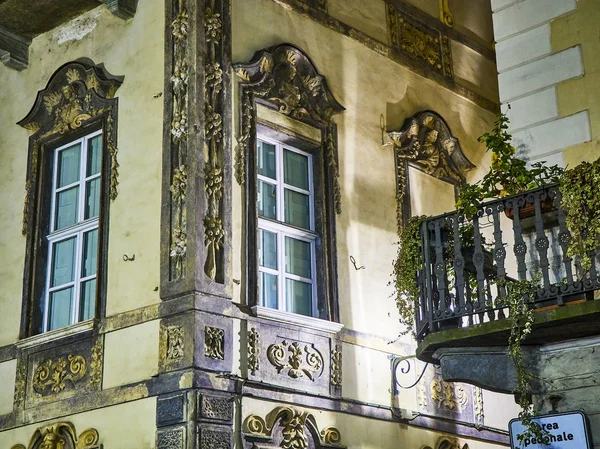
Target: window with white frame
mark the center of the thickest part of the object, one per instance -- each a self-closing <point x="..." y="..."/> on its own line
<point x="72" y="263"/>
<point x="286" y="228"/>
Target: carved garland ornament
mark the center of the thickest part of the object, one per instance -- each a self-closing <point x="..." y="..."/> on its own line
<point x="62" y="435"/>
<point x="336" y="366"/>
<point x="77" y="93"/>
<point x="175" y="342"/>
<point x="425" y="142"/>
<point x="214" y="342"/>
<point x="53" y="374"/>
<point x="283" y="77"/>
<point x="253" y="351"/>
<point x="294" y="424"/>
<point x="301" y="360"/>
<point x="179" y="123"/>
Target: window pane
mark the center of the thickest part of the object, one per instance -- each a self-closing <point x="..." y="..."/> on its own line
<point x="297" y="257"/>
<point x="267" y="249"/>
<point x="266" y="160"/>
<point x="298" y="297"/>
<point x="295" y="169"/>
<point x="92" y="198"/>
<point x="66" y="207"/>
<point x="68" y="165"/>
<point x="267" y="200"/>
<point x="90" y="253"/>
<point x="63" y="262"/>
<point x="88" y="300"/>
<point x="59" y="311"/>
<point x="94" y="156"/>
<point x="297" y="210"/>
<point x="267" y="290"/>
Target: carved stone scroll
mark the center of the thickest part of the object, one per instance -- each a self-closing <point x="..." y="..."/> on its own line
<point x="76" y="94"/>
<point x="296" y="425"/>
<point x="298" y="360"/>
<point x="62" y="435"/>
<point x="425" y="142"/>
<point x="54" y="376"/>
<point x="283" y="77"/>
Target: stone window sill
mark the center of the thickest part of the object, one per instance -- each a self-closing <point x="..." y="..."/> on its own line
<point x="56" y="334"/>
<point x="298" y="320"/>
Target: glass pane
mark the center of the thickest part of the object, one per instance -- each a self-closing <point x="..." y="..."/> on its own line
<point x="90" y="253"/>
<point x="295" y="169"/>
<point x="267" y="290"/>
<point x="266" y="160"/>
<point x="298" y="297"/>
<point x="297" y="257"/>
<point x="267" y="249"/>
<point x="94" y="156"/>
<point x="92" y="198"/>
<point x="267" y="200"/>
<point x="68" y="165"/>
<point x="59" y="312"/>
<point x="88" y="300"/>
<point x="63" y="262"/>
<point x="297" y="210"/>
<point x="66" y="207"/>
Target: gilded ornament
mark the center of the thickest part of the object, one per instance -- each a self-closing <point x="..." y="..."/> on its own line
<point x="253" y="351"/>
<point x="213" y="26"/>
<point x="96" y="362"/>
<point x="445" y="14"/>
<point x="73" y="75"/>
<point x="419" y="43"/>
<point x="336" y="366"/>
<point x="62" y="435"/>
<point x="179" y="185"/>
<point x="179" y="26"/>
<point x="33" y="127"/>
<point x="446" y="394"/>
<point x="175" y="342"/>
<point x="301" y="361"/>
<point x="214" y="342"/>
<point x="214" y="76"/>
<point x="53" y="374"/>
<point x="293" y="424"/>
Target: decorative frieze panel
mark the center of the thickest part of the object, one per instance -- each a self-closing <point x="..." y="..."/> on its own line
<point x="419" y="41"/>
<point x="175" y="342"/>
<point x="215" y="408"/>
<point x="214" y="342"/>
<point x="171" y="438"/>
<point x="291" y="358"/>
<point x="54" y="375"/>
<point x="289" y="428"/>
<point x="215" y="437"/>
<point x="451" y="400"/>
<point x="213" y="345"/>
<point x="62" y="435"/>
<point x="425" y="142"/>
<point x="175" y="345"/>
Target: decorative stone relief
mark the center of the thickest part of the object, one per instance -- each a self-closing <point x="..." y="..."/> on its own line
<point x="175" y="342"/>
<point x="53" y="376"/>
<point x="336" y="366"/>
<point x="77" y="93"/>
<point x="479" y="415"/>
<point x="253" y="351"/>
<point x="170" y="410"/>
<point x="448" y="395"/>
<point x="214" y="342"/>
<point x="421" y="42"/>
<point x="445" y="15"/>
<point x="170" y="439"/>
<point x="425" y="142"/>
<point x="96" y="363"/>
<point x="283" y="77"/>
<point x="62" y="435"/>
<point x="216" y="407"/>
<point x="294" y="424"/>
<point x="215" y="439"/>
<point x="299" y="360"/>
<point x="179" y="135"/>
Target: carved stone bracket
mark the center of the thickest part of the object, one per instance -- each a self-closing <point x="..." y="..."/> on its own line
<point x="283" y="77"/>
<point x="425" y="142"/>
<point x="296" y="426"/>
<point x="62" y="435"/>
<point x="77" y="94"/>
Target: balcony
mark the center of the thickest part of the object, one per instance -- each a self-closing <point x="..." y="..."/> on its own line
<point x="469" y="265"/>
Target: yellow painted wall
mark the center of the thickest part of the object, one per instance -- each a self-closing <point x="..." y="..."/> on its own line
<point x="133" y="49"/>
<point x="129" y="425"/>
<point x="582" y="27"/>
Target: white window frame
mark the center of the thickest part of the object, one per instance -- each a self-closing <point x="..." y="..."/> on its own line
<point x="76" y="230"/>
<point x="282" y="229"/>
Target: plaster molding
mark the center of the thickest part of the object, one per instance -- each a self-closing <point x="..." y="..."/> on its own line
<point x="57" y="334"/>
<point x="297" y="320"/>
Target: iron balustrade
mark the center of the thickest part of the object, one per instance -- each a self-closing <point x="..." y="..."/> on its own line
<point x="469" y="263"/>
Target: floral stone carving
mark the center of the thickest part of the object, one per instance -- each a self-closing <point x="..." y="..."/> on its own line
<point x="299" y="360"/>
<point x="53" y="375"/>
<point x="214" y="342"/>
<point x="62" y="435"/>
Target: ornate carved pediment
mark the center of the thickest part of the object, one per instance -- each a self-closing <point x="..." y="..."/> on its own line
<point x="285" y="77"/>
<point x="75" y="93"/>
<point x="290" y="428"/>
<point x="62" y="435"/>
<point x="425" y="140"/>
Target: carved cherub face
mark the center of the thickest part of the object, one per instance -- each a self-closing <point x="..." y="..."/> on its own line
<point x="52" y="441"/>
<point x="431" y="136"/>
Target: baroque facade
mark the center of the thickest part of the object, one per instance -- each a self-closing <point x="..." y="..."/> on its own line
<point x="201" y="203"/>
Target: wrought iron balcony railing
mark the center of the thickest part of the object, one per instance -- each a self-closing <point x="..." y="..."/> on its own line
<point x="469" y="264"/>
